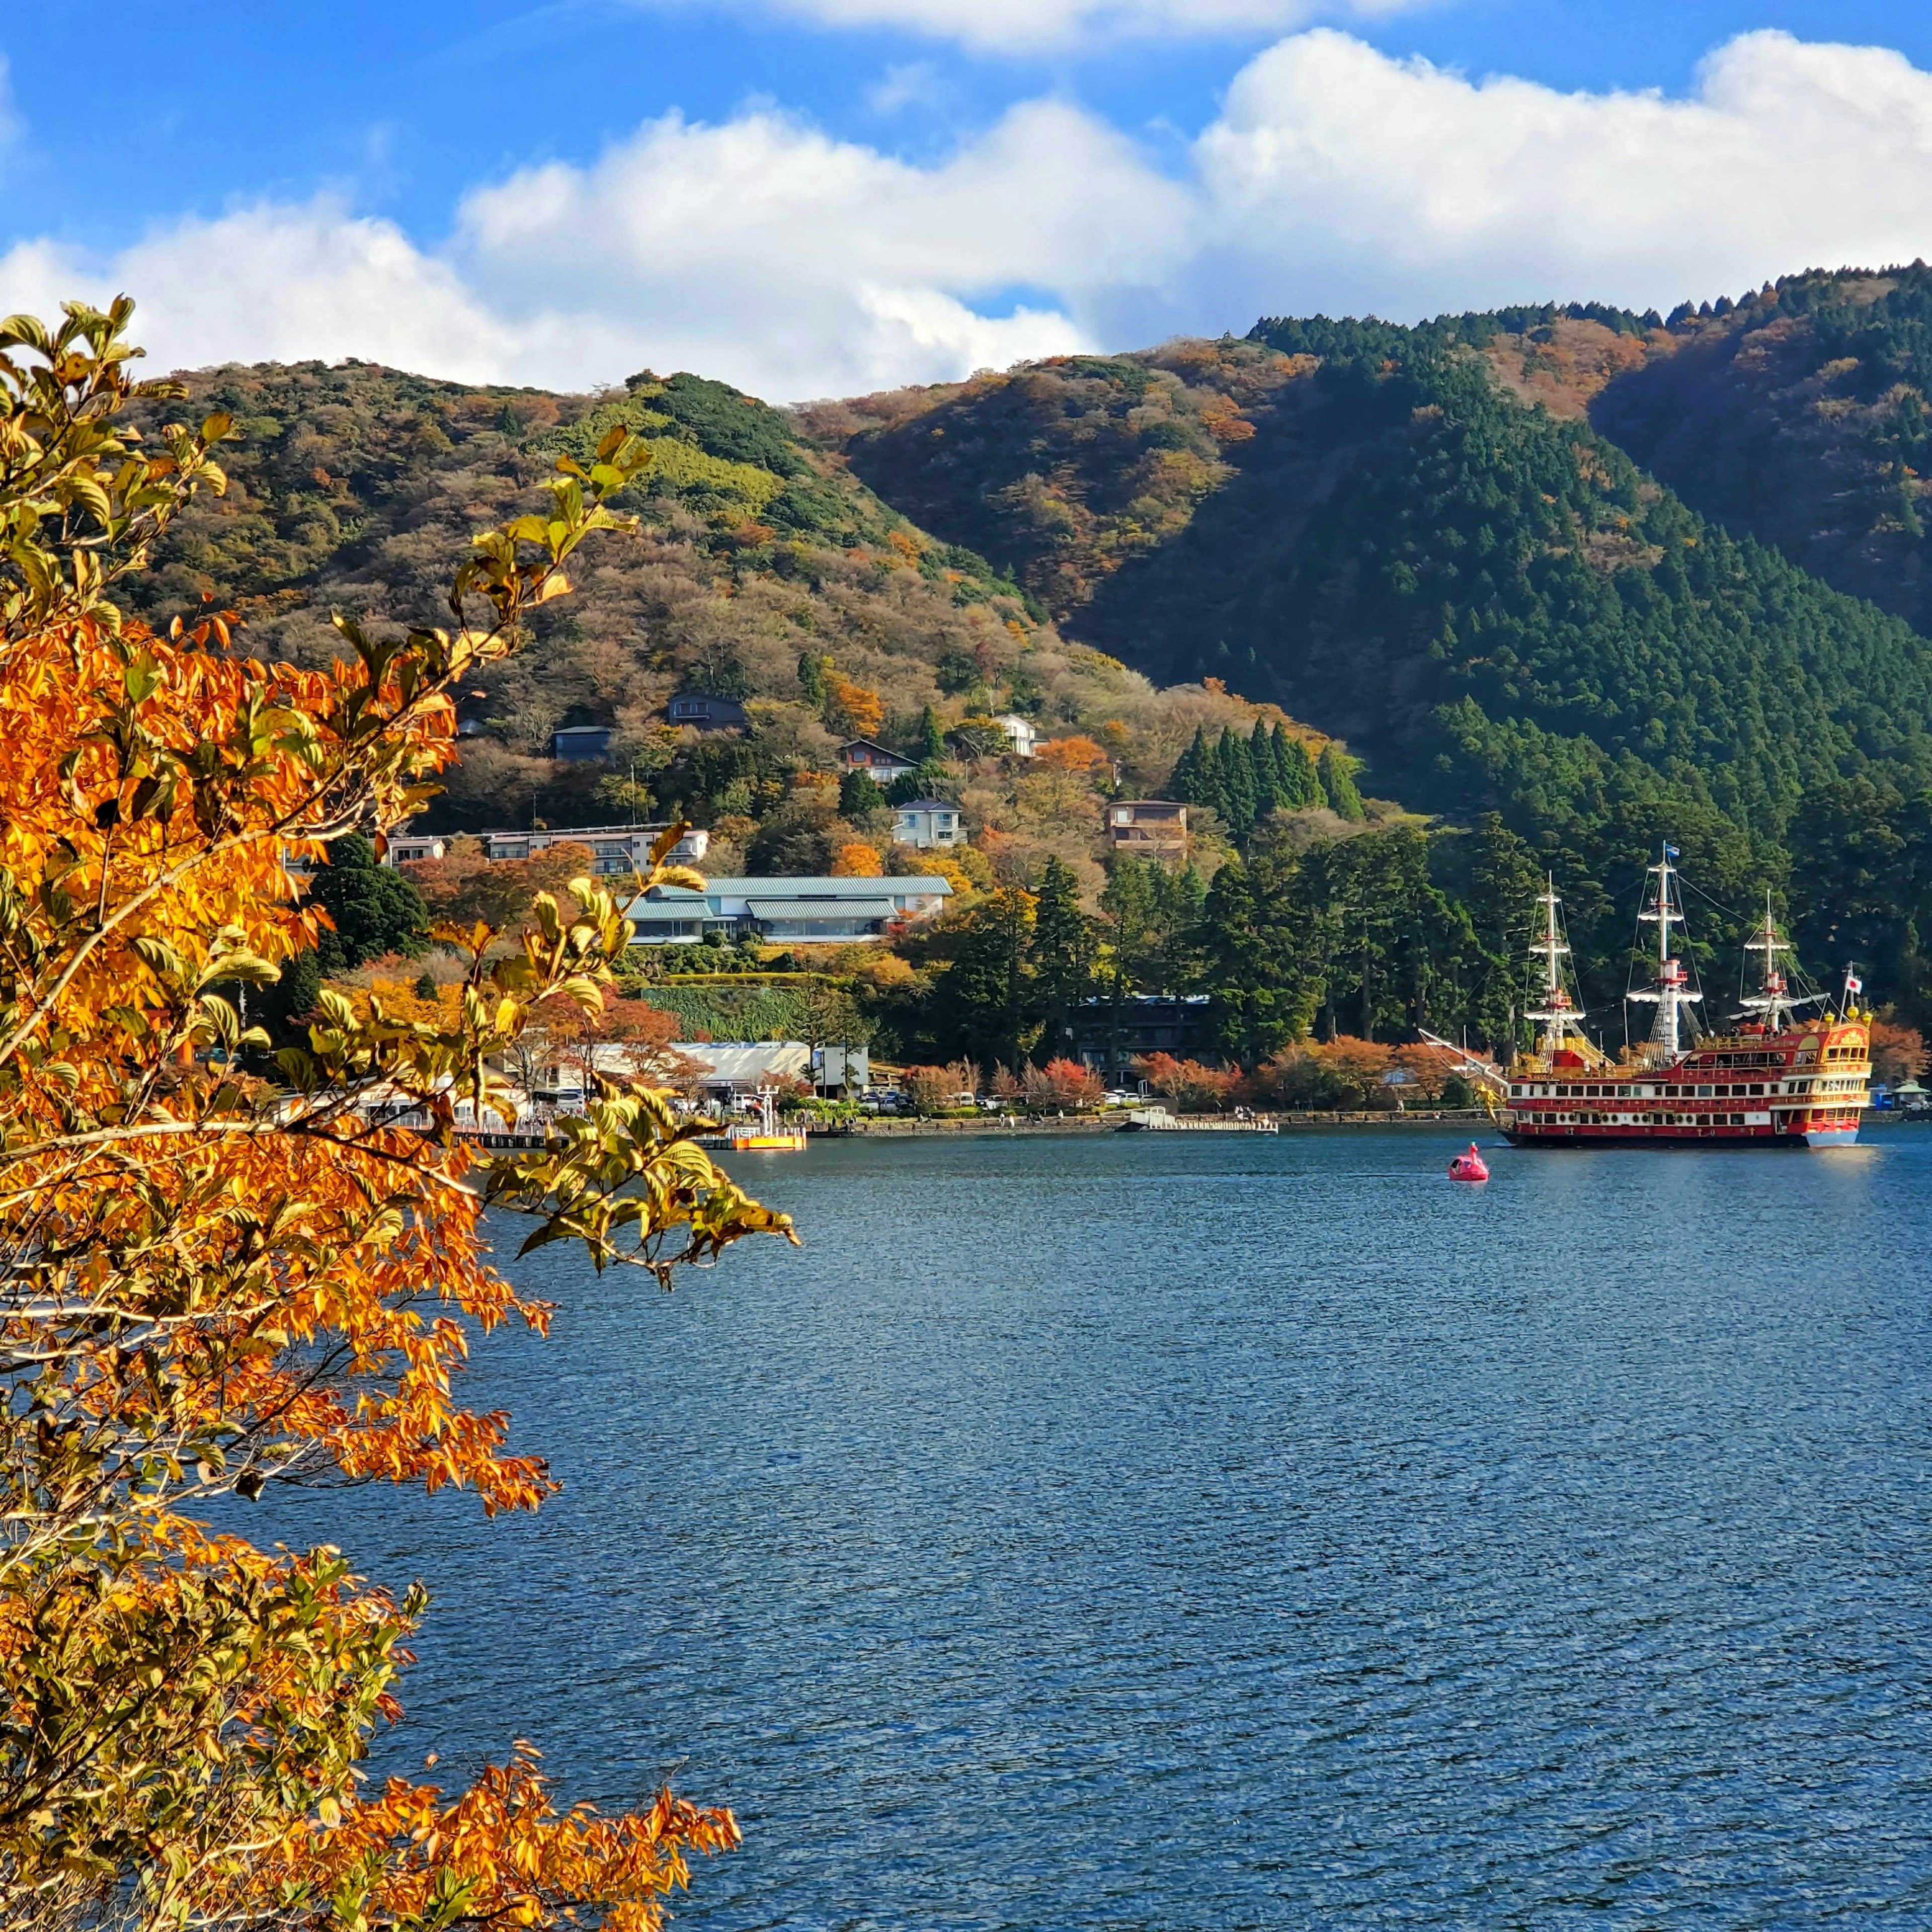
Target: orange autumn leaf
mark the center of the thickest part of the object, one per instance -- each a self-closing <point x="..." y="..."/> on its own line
<point x="227" y="1267"/>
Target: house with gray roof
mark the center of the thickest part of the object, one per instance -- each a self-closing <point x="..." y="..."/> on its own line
<point x="786" y="911"/>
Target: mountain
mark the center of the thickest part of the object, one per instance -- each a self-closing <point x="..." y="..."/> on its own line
<point x="1799" y="416"/>
<point x="765" y="571"/>
<point x="1417" y="539"/>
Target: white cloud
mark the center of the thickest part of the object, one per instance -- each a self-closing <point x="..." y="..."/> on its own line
<point x="765" y="251"/>
<point x="802" y="264"/>
<point x="1007" y="26"/>
<point x="1340" y="177"/>
<point x="276" y="283"/>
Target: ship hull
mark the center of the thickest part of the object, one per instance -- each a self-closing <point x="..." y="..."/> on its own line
<point x="1668" y="1137"/>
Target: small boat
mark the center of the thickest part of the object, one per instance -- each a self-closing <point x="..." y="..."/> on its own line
<point x="1468" y="1166"/>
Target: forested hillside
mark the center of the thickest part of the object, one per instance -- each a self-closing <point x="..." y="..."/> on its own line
<point x="764" y="572"/>
<point x="1799" y="415"/>
<point x="1489" y="599"/>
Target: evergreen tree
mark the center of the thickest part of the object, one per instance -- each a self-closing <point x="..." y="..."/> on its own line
<point x="1338" y="783"/>
<point x="1186" y="781"/>
<point x="932" y="739"/>
<point x="812" y="677"/>
<point x="1295" y="772"/>
<point x="988" y="995"/>
<point x="925" y="780"/>
<point x="1504" y="881"/>
<point x="1269" y="795"/>
<point x="374" y="910"/>
<point x="1060" y="952"/>
<point x="1236" y="782"/>
<point x="858" y="792"/>
<point x="1253" y="967"/>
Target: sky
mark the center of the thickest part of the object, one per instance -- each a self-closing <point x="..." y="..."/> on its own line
<point x="823" y="197"/>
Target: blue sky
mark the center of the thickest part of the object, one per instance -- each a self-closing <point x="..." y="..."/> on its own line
<point x="807" y="195"/>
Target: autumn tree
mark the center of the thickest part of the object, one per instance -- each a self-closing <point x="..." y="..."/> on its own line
<point x="210" y="1283"/>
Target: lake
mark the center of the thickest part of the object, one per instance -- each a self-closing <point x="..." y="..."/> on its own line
<point x="1205" y="1530"/>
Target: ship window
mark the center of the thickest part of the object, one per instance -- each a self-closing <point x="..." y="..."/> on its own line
<point x="1757" y="1086"/>
<point x="1703" y="1093"/>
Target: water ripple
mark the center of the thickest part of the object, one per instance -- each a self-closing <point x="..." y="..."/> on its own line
<point x="1204" y="1532"/>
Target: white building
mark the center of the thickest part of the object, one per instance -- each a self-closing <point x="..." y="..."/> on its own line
<point x="733" y="1072"/>
<point x="407" y="848"/>
<point x="928" y="822"/>
<point x="613" y="848"/>
<point x="1021" y="734"/>
<point x="819" y="910"/>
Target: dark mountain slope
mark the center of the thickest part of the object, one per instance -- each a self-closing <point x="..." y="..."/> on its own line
<point x="1492" y="602"/>
<point x="1801" y="417"/>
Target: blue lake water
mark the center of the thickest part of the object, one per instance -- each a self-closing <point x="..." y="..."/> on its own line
<point x="1222" y="1531"/>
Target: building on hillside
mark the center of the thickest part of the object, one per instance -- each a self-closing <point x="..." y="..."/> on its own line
<point x="927" y="822"/>
<point x="408" y="848"/>
<point x="614" y="849"/>
<point x="786" y="911"/>
<point x="704" y="712"/>
<point x="1147" y="828"/>
<point x="581" y="744"/>
<point x="1109" y="1036"/>
<point x="881" y="761"/>
<point x="1022" y="733"/>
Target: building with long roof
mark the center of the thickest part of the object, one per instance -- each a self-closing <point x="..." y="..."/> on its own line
<point x="786" y="911"/>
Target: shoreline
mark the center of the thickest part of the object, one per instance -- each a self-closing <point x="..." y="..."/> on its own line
<point x="1008" y="1125"/>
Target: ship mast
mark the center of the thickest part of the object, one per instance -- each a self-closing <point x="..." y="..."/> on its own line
<point x="1671" y="991"/>
<point x="1557" y="1014"/>
<point x="1773" y="1002"/>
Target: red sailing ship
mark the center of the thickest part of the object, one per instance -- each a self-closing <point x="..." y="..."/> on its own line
<point x="1775" y="1079"/>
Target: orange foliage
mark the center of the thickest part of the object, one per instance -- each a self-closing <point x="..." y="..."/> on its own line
<point x="1192" y="1087"/>
<point x="1063" y="1084"/>
<point x="464" y="886"/>
<point x="856" y="859"/>
<point x="215" y="1281"/>
<point x="858" y="710"/>
<point x="1072" y="755"/>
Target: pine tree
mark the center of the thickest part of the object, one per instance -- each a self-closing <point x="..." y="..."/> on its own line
<point x="1268" y="795"/>
<point x="1295" y="771"/>
<point x="1237" y="782"/>
<point x="811" y="676"/>
<point x="932" y="739"/>
<point x="858" y="792"/>
<point x="1060" y="951"/>
<point x="1338" y="783"/>
<point x="1261" y="995"/>
<point x="1184" y="782"/>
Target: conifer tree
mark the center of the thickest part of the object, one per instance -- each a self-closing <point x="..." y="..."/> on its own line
<point x="1338" y="784"/>
<point x="811" y="676"/>
<point x="1060" y="950"/>
<point x="932" y="739"/>
<point x="1268" y="794"/>
<point x="1237" y="783"/>
<point x="1185" y="781"/>
<point x="1296" y="771"/>
<point x="1261" y="993"/>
